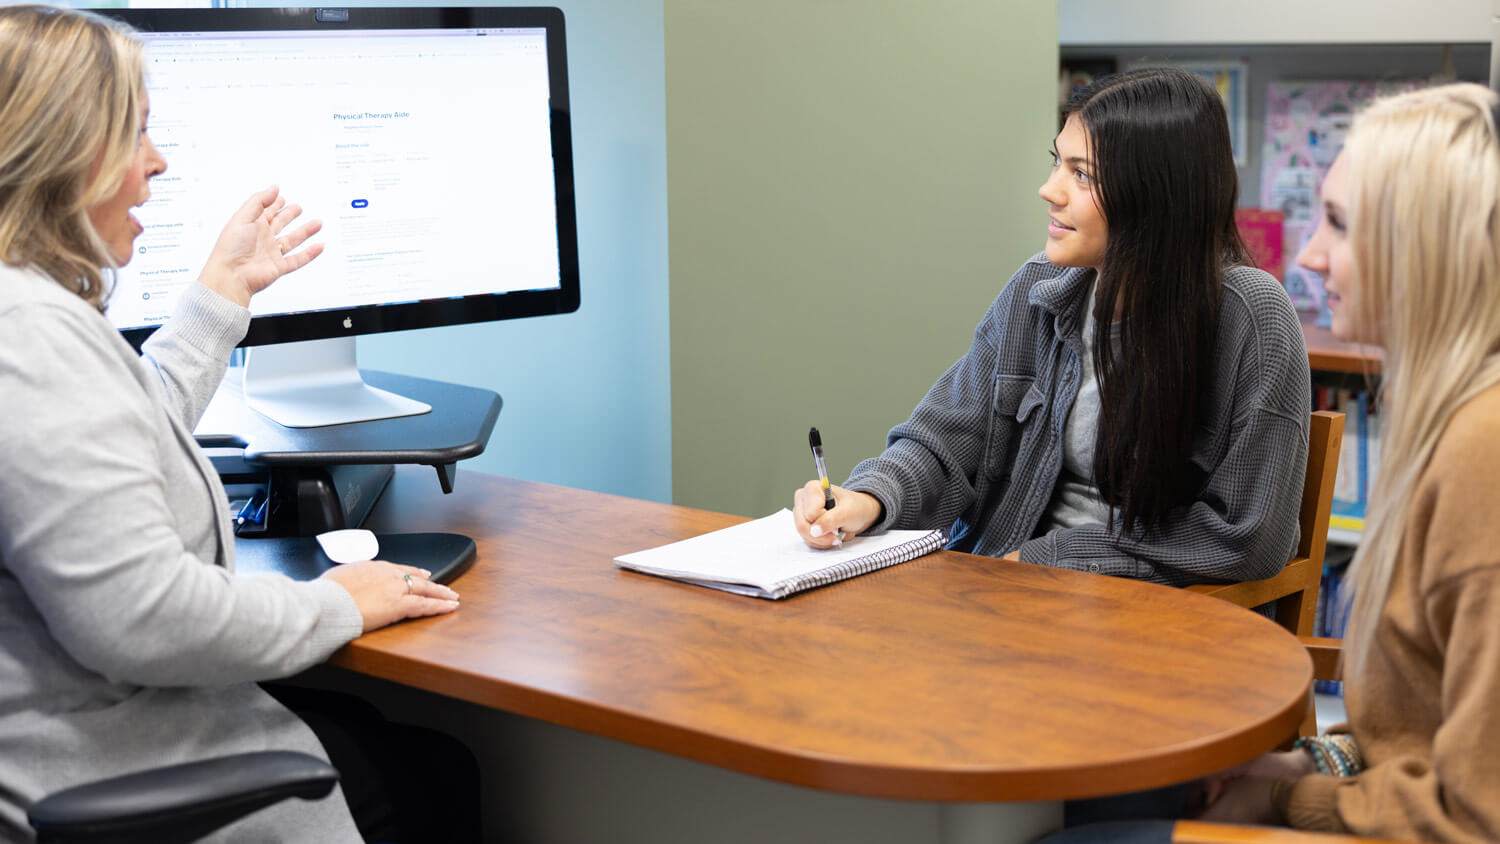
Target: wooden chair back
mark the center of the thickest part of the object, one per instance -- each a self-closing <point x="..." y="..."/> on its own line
<point x="1295" y="587"/>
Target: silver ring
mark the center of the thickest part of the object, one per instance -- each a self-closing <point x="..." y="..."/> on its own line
<point x="407" y="578"/>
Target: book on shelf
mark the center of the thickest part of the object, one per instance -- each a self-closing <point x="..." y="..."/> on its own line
<point x="1331" y="617"/>
<point x="1344" y="522"/>
<point x="766" y="558"/>
<point x="1359" y="453"/>
<point x="1348" y="483"/>
<point x="1261" y="229"/>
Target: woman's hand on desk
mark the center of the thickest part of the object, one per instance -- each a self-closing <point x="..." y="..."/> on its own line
<point x="254" y="249"/>
<point x="387" y="593"/>
<point x="852" y="514"/>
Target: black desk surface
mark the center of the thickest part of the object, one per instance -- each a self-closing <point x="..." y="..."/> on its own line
<point x="457" y="428"/>
<point x="446" y="555"/>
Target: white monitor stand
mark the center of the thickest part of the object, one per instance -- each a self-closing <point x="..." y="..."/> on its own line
<point x="314" y="383"/>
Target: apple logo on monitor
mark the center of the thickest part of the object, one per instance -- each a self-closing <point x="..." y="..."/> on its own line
<point x="348" y="322"/>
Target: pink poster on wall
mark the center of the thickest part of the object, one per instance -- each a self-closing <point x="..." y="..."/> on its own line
<point x="1305" y="127"/>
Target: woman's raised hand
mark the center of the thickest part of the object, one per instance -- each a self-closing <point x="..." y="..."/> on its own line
<point x="255" y="249"/>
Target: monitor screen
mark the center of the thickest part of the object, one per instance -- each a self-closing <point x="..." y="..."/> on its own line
<point x="433" y="144"/>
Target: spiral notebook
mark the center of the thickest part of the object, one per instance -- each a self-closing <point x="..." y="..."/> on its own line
<point x="766" y="558"/>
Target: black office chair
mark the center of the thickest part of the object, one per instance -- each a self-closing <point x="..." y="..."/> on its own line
<point x="178" y="803"/>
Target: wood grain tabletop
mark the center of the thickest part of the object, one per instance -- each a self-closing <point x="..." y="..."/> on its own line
<point x="948" y="678"/>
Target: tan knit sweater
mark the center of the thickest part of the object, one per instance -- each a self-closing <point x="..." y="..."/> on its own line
<point x="1426" y="709"/>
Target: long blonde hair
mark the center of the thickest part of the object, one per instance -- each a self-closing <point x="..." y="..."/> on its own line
<point x="70" y="96"/>
<point x="1424" y="227"/>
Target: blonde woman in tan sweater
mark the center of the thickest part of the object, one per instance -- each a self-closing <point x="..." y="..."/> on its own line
<point x="1409" y="249"/>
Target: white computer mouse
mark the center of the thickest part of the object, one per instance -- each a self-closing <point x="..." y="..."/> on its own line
<point x="349" y="546"/>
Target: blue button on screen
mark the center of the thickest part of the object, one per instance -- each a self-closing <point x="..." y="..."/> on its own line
<point x="359" y="203"/>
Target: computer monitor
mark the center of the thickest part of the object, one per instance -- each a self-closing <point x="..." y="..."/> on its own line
<point x="433" y="143"/>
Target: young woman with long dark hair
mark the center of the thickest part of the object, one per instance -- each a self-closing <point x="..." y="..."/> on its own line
<point x="1136" y="400"/>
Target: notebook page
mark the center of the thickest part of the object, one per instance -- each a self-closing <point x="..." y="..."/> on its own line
<point x="761" y="553"/>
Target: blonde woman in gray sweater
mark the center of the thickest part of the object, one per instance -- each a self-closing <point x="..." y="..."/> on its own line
<point x="126" y="640"/>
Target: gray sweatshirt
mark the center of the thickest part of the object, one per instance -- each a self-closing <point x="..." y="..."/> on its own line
<point x="126" y="641"/>
<point x="982" y="452"/>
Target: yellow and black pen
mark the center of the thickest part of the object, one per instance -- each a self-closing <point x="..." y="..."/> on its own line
<point x="816" y="441"/>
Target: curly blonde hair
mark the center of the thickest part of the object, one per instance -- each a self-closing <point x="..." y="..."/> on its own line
<point x="71" y="86"/>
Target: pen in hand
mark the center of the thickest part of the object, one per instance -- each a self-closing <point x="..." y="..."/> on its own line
<point x="816" y="441"/>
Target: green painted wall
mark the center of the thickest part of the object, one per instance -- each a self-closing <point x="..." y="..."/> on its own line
<point x="850" y="183"/>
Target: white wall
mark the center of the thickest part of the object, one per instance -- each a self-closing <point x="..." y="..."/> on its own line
<point x="1273" y="21"/>
<point x="587" y="400"/>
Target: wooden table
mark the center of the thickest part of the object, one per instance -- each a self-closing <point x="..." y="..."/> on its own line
<point x="949" y="678"/>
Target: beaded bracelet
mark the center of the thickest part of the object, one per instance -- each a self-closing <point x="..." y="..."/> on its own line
<point x="1335" y="755"/>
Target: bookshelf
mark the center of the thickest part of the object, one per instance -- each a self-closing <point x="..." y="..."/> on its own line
<point x="1327" y="356"/>
<point x="1334" y="362"/>
<point x="1325" y="353"/>
<point x="1285" y="40"/>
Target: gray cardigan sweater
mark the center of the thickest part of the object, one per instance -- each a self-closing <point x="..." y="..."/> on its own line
<point x="126" y="642"/>
<point x="982" y="452"/>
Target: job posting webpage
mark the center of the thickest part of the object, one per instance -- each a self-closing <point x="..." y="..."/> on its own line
<point x="426" y="154"/>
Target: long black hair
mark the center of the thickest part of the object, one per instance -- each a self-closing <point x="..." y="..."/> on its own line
<point x="1165" y="180"/>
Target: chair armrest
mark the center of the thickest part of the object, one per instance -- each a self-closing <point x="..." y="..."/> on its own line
<point x="1197" y="832"/>
<point x="1293" y="577"/>
<point x="179" y="802"/>
<point x="1325" y="656"/>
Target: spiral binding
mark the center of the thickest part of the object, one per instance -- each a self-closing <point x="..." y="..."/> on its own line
<point x="911" y="550"/>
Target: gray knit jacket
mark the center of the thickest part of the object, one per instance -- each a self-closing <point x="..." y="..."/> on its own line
<point x="982" y="452"/>
<point x="126" y="641"/>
